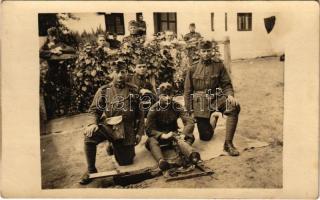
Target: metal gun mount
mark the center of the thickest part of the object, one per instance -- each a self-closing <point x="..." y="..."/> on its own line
<point x="182" y="164"/>
<point x="192" y="171"/>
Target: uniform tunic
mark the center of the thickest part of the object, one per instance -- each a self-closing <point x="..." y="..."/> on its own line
<point x="160" y="120"/>
<point x="110" y="101"/>
<point x="142" y="82"/>
<point x="164" y="120"/>
<point x="191" y="35"/>
<point x="203" y="77"/>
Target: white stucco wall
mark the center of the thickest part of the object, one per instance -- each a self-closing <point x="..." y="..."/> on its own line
<point x="88" y="21"/>
<point x="244" y="44"/>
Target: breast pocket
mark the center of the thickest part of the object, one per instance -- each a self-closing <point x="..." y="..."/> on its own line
<point x="213" y="81"/>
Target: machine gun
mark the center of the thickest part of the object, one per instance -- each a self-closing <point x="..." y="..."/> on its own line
<point x="191" y="164"/>
<point x="190" y="167"/>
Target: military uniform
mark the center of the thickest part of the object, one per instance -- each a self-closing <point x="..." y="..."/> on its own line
<point x="57" y="87"/>
<point x="201" y="82"/>
<point x="110" y="101"/>
<point x="192" y="35"/>
<point x="192" y="39"/>
<point x="162" y="120"/>
<point x="134" y="40"/>
<point x="142" y="82"/>
<point x="142" y="27"/>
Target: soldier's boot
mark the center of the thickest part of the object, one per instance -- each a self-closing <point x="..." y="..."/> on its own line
<point x="156" y="152"/>
<point x="230" y="149"/>
<point x="90" y="150"/>
<point x="163" y="164"/>
<point x="231" y="125"/>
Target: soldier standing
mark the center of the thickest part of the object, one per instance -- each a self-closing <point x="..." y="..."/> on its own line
<point x="162" y="123"/>
<point x="201" y="82"/>
<point x="192" y="34"/>
<point x="140" y="76"/>
<point x="102" y="43"/>
<point x="134" y="36"/>
<point x="56" y="85"/>
<point x="142" y="27"/>
<point x="146" y="89"/>
<point x="116" y="117"/>
<point x="192" y="39"/>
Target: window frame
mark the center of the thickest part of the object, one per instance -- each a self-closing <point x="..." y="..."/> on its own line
<point x="226" y="22"/>
<point x="212" y="21"/>
<point x="158" y="21"/>
<point x="242" y="19"/>
<point x="114" y="16"/>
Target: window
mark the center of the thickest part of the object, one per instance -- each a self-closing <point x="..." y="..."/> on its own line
<point x="225" y="21"/>
<point x="244" y="21"/>
<point x="115" y="23"/>
<point x="165" y="21"/>
<point x="212" y="21"/>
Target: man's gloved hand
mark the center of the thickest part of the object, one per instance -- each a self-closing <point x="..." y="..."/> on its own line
<point x="138" y="139"/>
<point x="89" y="130"/>
<point x="166" y="136"/>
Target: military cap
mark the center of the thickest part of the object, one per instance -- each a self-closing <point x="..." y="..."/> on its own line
<point x="192" y="24"/>
<point x="165" y="88"/>
<point x="133" y="23"/>
<point x="120" y="65"/>
<point x="52" y="31"/>
<point x="206" y="45"/>
<point x="140" y="61"/>
<point x="101" y="35"/>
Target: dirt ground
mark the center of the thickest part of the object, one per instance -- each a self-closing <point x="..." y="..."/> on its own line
<point x="259" y="85"/>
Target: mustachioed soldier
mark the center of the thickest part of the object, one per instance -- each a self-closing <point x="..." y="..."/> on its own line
<point x="162" y="124"/>
<point x="116" y="117"/>
<point x="202" y="80"/>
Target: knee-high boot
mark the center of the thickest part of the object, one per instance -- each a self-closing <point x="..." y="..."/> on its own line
<point x="90" y="151"/>
<point x="231" y="125"/>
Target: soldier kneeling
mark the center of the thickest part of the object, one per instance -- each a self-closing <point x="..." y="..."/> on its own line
<point x="161" y="127"/>
<point x="116" y="117"/>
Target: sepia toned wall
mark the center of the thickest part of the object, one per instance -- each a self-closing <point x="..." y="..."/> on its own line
<point x="244" y="44"/>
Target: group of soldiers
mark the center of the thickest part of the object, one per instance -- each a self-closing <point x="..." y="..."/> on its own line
<point x="117" y="115"/>
<point x="119" y="109"/>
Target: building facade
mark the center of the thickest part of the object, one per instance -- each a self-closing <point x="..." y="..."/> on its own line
<point x="246" y="30"/>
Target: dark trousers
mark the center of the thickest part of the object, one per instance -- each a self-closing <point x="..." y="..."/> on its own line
<point x="153" y="145"/>
<point x="206" y="130"/>
<point x="124" y="154"/>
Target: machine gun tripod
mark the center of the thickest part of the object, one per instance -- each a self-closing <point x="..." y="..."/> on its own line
<point x="190" y="165"/>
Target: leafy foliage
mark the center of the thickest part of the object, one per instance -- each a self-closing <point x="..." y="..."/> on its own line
<point x="167" y="61"/>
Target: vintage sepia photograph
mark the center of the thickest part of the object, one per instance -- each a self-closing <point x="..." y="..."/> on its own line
<point x="159" y="99"/>
<point x="155" y="99"/>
